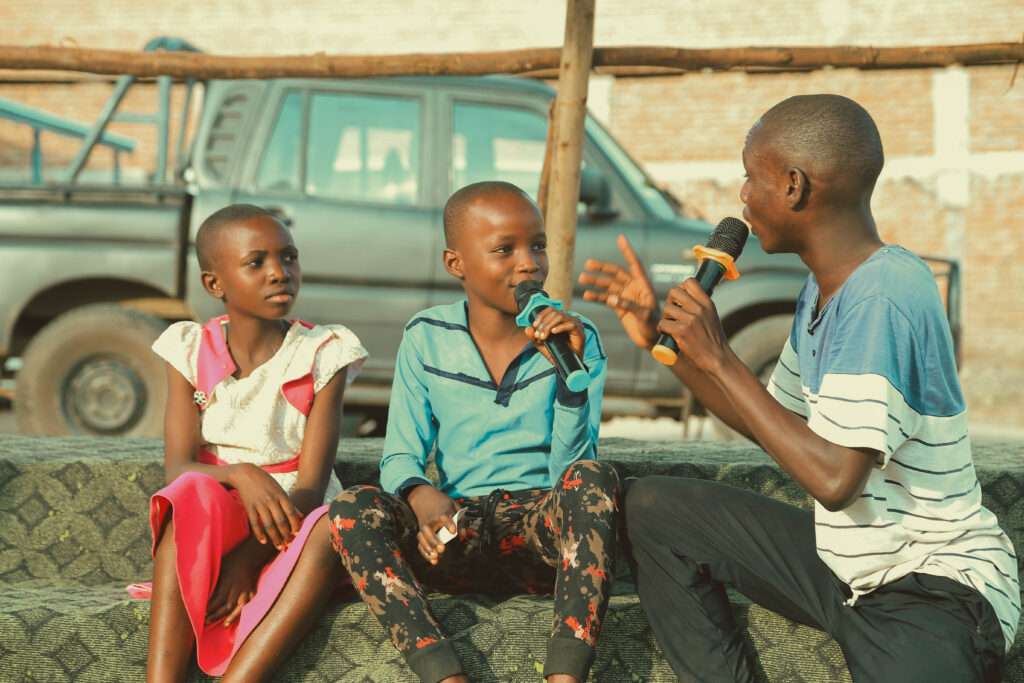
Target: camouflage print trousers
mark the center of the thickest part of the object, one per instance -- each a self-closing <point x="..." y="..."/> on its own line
<point x="558" y="541"/>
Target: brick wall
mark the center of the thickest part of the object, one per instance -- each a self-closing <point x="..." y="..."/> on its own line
<point x="954" y="179"/>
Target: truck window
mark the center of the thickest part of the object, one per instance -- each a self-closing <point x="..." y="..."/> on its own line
<point x="497" y="143"/>
<point x="364" y="148"/>
<point x="279" y="168"/>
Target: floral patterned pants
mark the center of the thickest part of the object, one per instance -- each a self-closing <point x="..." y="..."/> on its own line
<point x="560" y="540"/>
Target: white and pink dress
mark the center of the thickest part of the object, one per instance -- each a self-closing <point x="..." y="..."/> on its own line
<point x="258" y="419"/>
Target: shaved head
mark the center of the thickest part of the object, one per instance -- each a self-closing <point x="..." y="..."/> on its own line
<point x="213" y="227"/>
<point x="459" y="207"/>
<point x="829" y="137"/>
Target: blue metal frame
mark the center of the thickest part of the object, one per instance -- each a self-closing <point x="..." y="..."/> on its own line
<point x="96" y="134"/>
<point x="40" y="121"/>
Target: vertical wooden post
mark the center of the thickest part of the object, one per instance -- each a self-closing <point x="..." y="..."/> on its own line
<point x="545" y="171"/>
<point x="570" y="110"/>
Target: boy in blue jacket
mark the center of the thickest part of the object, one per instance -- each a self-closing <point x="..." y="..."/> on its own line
<point x="515" y="451"/>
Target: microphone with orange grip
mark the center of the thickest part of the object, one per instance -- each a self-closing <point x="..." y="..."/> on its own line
<point x="716" y="259"/>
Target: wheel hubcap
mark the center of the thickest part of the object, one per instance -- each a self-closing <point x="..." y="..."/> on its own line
<point x="104" y="395"/>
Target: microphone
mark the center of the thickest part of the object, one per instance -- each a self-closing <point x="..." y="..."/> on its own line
<point x="717" y="259"/>
<point x="531" y="299"/>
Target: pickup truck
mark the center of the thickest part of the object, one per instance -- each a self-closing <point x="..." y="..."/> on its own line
<point x="360" y="170"/>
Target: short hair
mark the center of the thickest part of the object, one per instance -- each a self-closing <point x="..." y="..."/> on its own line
<point x="831" y="134"/>
<point x="456" y="206"/>
<point x="210" y="230"/>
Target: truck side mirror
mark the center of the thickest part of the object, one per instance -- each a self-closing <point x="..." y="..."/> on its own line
<point x="596" y="194"/>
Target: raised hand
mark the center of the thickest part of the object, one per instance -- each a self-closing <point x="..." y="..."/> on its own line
<point x="273" y="517"/>
<point x="627" y="292"/>
<point x="433" y="510"/>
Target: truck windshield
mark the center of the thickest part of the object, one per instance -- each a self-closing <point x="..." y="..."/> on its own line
<point x="659" y="201"/>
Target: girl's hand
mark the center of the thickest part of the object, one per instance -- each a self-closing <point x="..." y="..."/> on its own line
<point x="433" y="510"/>
<point x="272" y="516"/>
<point x="629" y="293"/>
<point x="236" y="585"/>
<point x="549" y="322"/>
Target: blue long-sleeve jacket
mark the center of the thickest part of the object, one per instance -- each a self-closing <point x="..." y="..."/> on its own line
<point x="521" y="433"/>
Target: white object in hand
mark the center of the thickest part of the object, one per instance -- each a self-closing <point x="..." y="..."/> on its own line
<point x="444" y="535"/>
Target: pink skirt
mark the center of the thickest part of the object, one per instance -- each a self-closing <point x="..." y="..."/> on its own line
<point x="209" y="520"/>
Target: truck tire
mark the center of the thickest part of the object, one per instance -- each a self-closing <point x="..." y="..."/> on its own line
<point x="91" y="371"/>
<point x="758" y="345"/>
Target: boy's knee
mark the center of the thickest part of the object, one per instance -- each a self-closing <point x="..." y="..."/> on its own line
<point x="325" y="544"/>
<point x="592" y="474"/>
<point x="591" y="486"/>
<point x="345" y="512"/>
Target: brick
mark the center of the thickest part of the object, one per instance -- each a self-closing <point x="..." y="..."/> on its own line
<point x="996" y="123"/>
<point x="706" y="116"/>
<point x="994" y="311"/>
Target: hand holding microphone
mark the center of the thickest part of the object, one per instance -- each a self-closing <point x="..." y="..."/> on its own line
<point x="688" y="310"/>
<point x="533" y="301"/>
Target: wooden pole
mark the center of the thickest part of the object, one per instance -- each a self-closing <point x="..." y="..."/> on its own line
<point x="545" y="169"/>
<point x="630" y="60"/>
<point x="570" y="110"/>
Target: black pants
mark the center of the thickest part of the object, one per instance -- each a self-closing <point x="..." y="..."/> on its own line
<point x="690" y="537"/>
<point x="559" y="540"/>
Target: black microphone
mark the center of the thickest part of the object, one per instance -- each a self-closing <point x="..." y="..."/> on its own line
<point x="717" y="259"/>
<point x="531" y="299"/>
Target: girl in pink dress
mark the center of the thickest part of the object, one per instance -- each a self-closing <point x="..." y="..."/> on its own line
<point x="242" y="558"/>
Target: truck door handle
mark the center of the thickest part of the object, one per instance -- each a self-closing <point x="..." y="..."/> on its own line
<point x="280" y="214"/>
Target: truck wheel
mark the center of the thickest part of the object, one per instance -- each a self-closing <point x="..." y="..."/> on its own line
<point x="758" y="345"/>
<point x="91" y="371"/>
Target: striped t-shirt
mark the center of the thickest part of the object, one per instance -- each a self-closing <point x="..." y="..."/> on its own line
<point x="875" y="369"/>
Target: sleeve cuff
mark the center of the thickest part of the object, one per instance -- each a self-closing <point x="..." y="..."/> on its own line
<point x="567" y="397"/>
<point x="341" y="350"/>
<point x="791" y="401"/>
<point x="403" y="489"/>
<point x="178" y="346"/>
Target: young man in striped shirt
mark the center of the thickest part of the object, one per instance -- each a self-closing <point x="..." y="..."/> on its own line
<point x="899" y="562"/>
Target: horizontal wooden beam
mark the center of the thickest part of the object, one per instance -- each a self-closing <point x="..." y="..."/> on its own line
<point x="629" y="60"/>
